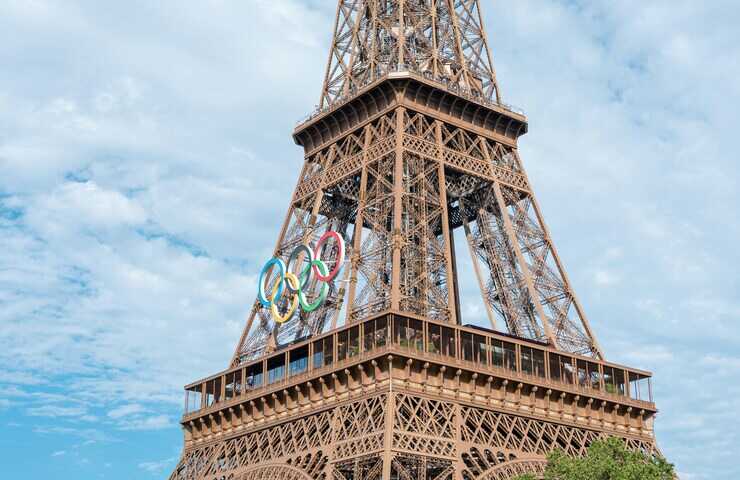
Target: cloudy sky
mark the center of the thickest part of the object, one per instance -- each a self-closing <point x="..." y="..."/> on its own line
<point x="146" y="163"/>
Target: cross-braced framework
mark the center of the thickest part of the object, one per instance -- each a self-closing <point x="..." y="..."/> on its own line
<point x="392" y="417"/>
<point x="397" y="187"/>
<point x="382" y="380"/>
<point x="441" y="38"/>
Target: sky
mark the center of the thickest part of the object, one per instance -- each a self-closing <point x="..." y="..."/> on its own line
<point x="146" y="165"/>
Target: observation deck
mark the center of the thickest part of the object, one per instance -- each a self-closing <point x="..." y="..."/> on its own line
<point x="419" y="91"/>
<point x="402" y="352"/>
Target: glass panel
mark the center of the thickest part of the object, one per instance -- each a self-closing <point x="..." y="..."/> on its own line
<point x="342" y="345"/>
<point x="538" y="362"/>
<point x="480" y="349"/>
<point x="318" y="354"/>
<point x="276" y="369"/>
<point x="210" y="392"/>
<point x="354" y="341"/>
<point x="233" y="384"/>
<point x="609" y="380"/>
<point x="526" y="360"/>
<point x="567" y="369"/>
<point x="640" y="387"/>
<point x="400" y="335"/>
<point x="368" y="336"/>
<point x="467" y="346"/>
<point x="498" y="353"/>
<point x="594" y="376"/>
<point x="583" y="379"/>
<point x="298" y="361"/>
<point x="448" y="342"/>
<point x="509" y="355"/>
<point x="229" y="388"/>
<point x="193" y="399"/>
<point x="329" y="350"/>
<point x="555" y="372"/>
<point x="504" y="354"/>
<point x="416" y="335"/>
<point x="381" y="332"/>
<point x="434" y="339"/>
<point x="619" y="381"/>
<point x="253" y="376"/>
<point x="217" y="390"/>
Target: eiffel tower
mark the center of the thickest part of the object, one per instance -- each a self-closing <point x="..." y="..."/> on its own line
<point x="355" y="362"/>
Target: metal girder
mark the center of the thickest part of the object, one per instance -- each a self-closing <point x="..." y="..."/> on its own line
<point x="441" y="38"/>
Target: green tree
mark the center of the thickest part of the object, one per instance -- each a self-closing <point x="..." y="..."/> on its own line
<point x="606" y="460"/>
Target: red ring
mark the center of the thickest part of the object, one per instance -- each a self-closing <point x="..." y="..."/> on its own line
<point x="340" y="257"/>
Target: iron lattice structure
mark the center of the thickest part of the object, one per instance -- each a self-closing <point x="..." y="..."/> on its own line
<point x="383" y="381"/>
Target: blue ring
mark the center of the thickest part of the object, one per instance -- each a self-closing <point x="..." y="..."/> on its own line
<point x="305" y="275"/>
<point x="261" y="286"/>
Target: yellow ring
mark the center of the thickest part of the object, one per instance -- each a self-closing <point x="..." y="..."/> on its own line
<point x="291" y="278"/>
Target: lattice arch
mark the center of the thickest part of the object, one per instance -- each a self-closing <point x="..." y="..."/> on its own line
<point x="505" y="471"/>
<point x="274" y="472"/>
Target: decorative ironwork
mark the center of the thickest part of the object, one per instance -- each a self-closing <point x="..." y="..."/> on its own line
<point x="381" y="380"/>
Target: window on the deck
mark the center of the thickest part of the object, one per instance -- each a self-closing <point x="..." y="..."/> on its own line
<point x="253" y="377"/>
<point x="594" y="376"/>
<point x="213" y="391"/>
<point x="467" y="346"/>
<point x="376" y="333"/>
<point x="434" y="338"/>
<point x="353" y="347"/>
<point x="233" y="384"/>
<point x="342" y="343"/>
<point x="323" y="352"/>
<point x="448" y="342"/>
<point x="299" y="360"/>
<point x="619" y="381"/>
<point x="408" y="333"/>
<point x="504" y="354"/>
<point x="526" y="360"/>
<point x="640" y="388"/>
<point x="381" y="332"/>
<point x="614" y="380"/>
<point x="538" y="362"/>
<point x="276" y="369"/>
<point x="480" y="349"/>
<point x="583" y="379"/>
<point x="368" y="336"/>
<point x="193" y="398"/>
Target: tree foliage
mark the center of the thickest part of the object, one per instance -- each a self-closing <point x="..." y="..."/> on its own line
<point x="606" y="460"/>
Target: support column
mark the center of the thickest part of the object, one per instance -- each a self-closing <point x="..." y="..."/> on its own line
<point x="514" y="242"/>
<point x="453" y="295"/>
<point x="357" y="235"/>
<point x="389" y="418"/>
<point x="397" y="235"/>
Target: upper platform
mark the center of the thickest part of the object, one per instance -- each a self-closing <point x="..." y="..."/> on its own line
<point x="419" y="92"/>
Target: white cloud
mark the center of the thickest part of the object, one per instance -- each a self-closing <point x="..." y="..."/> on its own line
<point x="126" y="410"/>
<point x="604" y="278"/>
<point x="89" y="204"/>
<point x="55" y="411"/>
<point x="156" y="422"/>
<point x="157" y="467"/>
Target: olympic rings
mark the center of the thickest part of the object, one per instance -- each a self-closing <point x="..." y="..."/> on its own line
<point x="295" y="284"/>
<point x="340" y="257"/>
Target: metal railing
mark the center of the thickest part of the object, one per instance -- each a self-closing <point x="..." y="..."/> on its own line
<point x="442" y="82"/>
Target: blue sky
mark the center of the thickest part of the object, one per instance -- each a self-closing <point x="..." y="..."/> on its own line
<point x="146" y="163"/>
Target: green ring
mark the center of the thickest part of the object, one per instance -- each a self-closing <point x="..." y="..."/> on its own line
<point x="310" y="307"/>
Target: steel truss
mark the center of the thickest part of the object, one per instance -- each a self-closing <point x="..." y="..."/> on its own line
<point x="394" y="435"/>
<point x="397" y="188"/>
<point x="411" y="142"/>
<point x="441" y="38"/>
